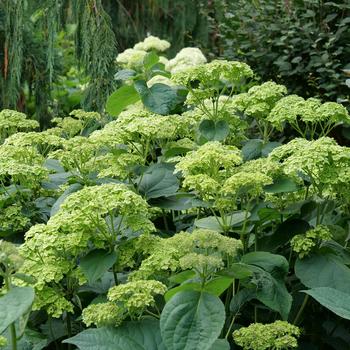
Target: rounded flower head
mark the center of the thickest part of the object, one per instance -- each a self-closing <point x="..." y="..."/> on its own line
<point x="303" y="244"/>
<point x="13" y="121"/>
<point x="212" y="158"/>
<point x="322" y="161"/>
<point x="243" y="184"/>
<point x="184" y="250"/>
<point x="311" y="111"/>
<point x="260" y="99"/>
<point x="209" y="74"/>
<point x="152" y="43"/>
<point x="136" y="295"/>
<point x="103" y="314"/>
<point x="186" y="58"/>
<point x="278" y="335"/>
<point x="131" y="58"/>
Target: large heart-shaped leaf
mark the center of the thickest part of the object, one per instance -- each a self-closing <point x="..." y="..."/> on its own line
<point x="323" y="271"/>
<point x="192" y="321"/>
<point x="144" y="335"/>
<point x="120" y="99"/>
<point x="96" y="263"/>
<point x="214" y="131"/>
<point x="271" y="291"/>
<point x="14" y="304"/>
<point x="158" y="181"/>
<point x="276" y="265"/>
<point x="160" y="98"/>
<point x="333" y="299"/>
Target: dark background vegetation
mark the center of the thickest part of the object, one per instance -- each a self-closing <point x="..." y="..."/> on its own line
<point x="51" y="49"/>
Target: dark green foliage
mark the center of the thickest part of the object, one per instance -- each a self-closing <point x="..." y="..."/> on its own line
<point x="303" y="44"/>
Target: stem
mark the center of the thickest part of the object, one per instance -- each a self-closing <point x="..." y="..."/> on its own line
<point x="302" y="307"/>
<point x="69" y="328"/>
<point x="115" y="275"/>
<point x="230" y="326"/>
<point x="13" y="334"/>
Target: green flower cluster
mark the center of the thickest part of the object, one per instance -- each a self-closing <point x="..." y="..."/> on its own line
<point x="12" y="220"/>
<point x="317" y="117"/>
<point x="260" y="99"/>
<point x="213" y="159"/>
<point x="210" y="73"/>
<point x="52" y="251"/>
<point x="186" y="250"/>
<point x="24" y="165"/>
<point x="131" y="298"/>
<point x="322" y="162"/>
<point x="275" y="336"/>
<point x="303" y="244"/>
<point x="75" y="124"/>
<point x="13" y="121"/>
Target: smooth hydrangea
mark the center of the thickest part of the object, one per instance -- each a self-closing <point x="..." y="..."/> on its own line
<point x="303" y="244"/>
<point x="13" y="220"/>
<point x="131" y="58"/>
<point x="323" y="161"/>
<point x="136" y="295"/>
<point x="103" y="314"/>
<point x="86" y="218"/>
<point x="12" y="121"/>
<point x="184" y="59"/>
<point x="208" y="75"/>
<point x="274" y="336"/>
<point x="152" y="43"/>
<point x="317" y="117"/>
<point x="186" y="250"/>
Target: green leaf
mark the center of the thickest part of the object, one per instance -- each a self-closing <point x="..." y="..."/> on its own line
<point x="284" y="233"/>
<point x="120" y="99"/>
<point x="276" y="265"/>
<point x="179" y="201"/>
<point x="71" y="189"/>
<point x="160" y="98"/>
<point x="209" y="223"/>
<point x="144" y="335"/>
<point x="217" y="224"/>
<point x="239" y="299"/>
<point x="252" y="149"/>
<point x="183" y="287"/>
<point x="158" y="181"/>
<point x="269" y="147"/>
<point x="323" y="271"/>
<point x="14" y="304"/>
<point x="124" y="74"/>
<point x="214" y="131"/>
<point x="220" y="344"/>
<point x="271" y="291"/>
<point x="282" y="184"/>
<point x="96" y="263"/>
<point x="150" y="60"/>
<point x="182" y="276"/>
<point x="192" y="321"/>
<point x="237" y="270"/>
<point x="333" y="299"/>
<point x="218" y="285"/>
